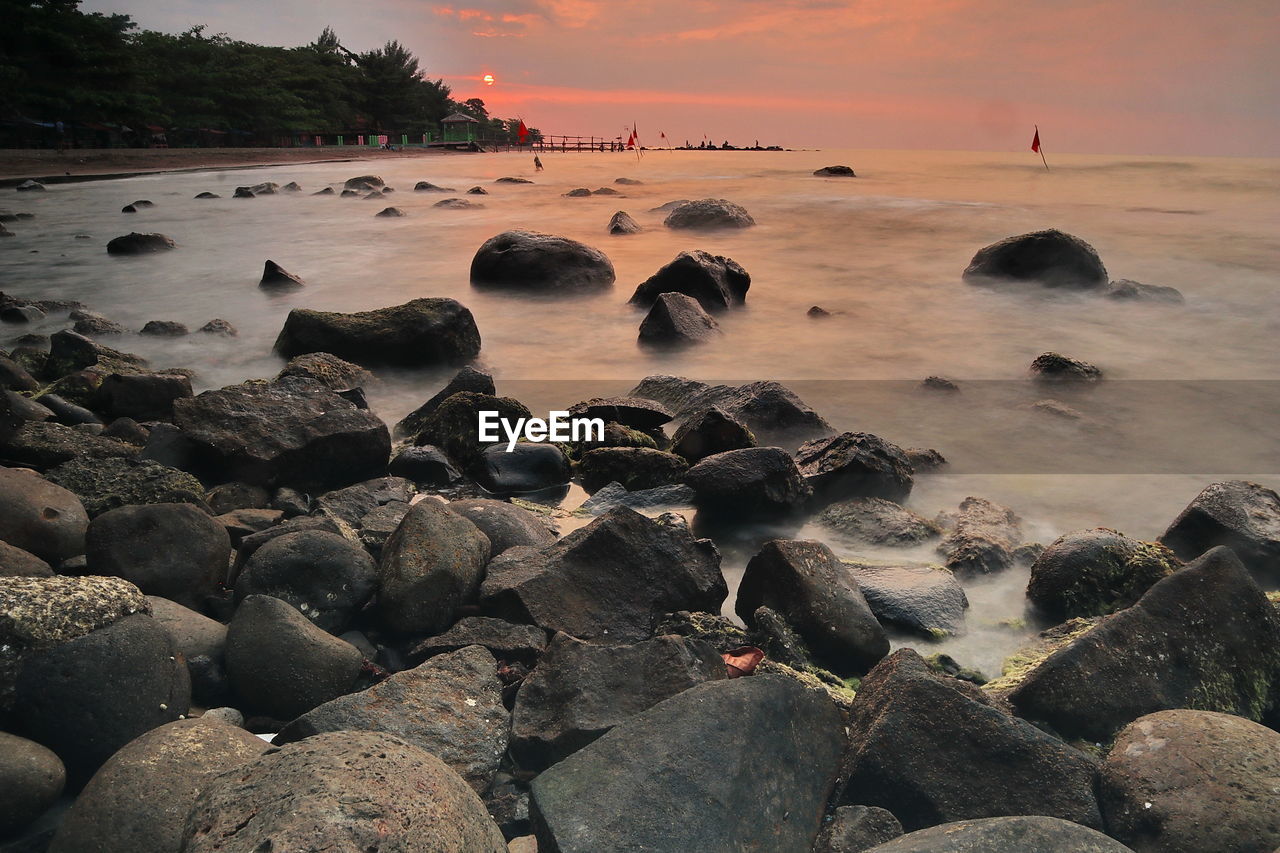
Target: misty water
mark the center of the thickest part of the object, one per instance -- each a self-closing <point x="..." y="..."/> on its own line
<point x="1190" y="396"/>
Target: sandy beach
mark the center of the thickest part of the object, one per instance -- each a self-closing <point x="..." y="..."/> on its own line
<point x="49" y="165"/>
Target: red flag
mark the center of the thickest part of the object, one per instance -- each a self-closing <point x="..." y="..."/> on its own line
<point x="522" y="132"/>
<point x="631" y="140"/>
<point x="1035" y="141"/>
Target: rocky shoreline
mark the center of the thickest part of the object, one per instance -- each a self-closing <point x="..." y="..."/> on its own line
<point x="262" y="618"/>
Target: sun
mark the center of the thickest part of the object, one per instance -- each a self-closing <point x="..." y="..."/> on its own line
<point x="488" y="79"/>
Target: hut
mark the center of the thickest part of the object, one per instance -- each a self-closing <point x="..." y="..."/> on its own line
<point x="460" y="128"/>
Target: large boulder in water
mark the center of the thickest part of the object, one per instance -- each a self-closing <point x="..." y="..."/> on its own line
<point x="1096" y="572"/>
<point x="677" y="319"/>
<point x="614" y="579"/>
<point x="927" y="600"/>
<point x="715" y="281"/>
<point x="769" y="409"/>
<point x="419" y="332"/>
<point x="1051" y="258"/>
<point x="875" y="521"/>
<point x="728" y="765"/>
<point x="934" y="750"/>
<point x="982" y="538"/>
<point x="709" y="432"/>
<point x="1023" y="834"/>
<point x="752" y="482"/>
<point x="835" y="172"/>
<point x="709" y="213"/>
<point x="292" y="432"/>
<point x="635" y="468"/>
<point x="134" y="243"/>
<point x="528" y="260"/>
<point x="1241" y="515"/>
<point x="855" y="465"/>
<point x="276" y="277"/>
<point x="466" y="379"/>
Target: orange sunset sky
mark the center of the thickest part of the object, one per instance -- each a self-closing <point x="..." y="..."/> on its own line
<point x="1128" y="76"/>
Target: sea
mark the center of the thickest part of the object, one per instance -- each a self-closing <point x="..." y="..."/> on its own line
<point x="1190" y="395"/>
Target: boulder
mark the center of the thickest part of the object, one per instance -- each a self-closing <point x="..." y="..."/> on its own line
<point x="622" y="223"/>
<point x="1095" y="572"/>
<point x="14" y="376"/>
<point x="819" y="598"/>
<point x="392" y="212"/>
<point x="1055" y="367"/>
<point x="935" y="750"/>
<point x="68" y="413"/>
<point x="716" y="282"/>
<point x="580" y="691"/>
<point x="419" y="332"/>
<point x="507" y="641"/>
<point x="292" y="432"/>
<point x="172" y="550"/>
<point x="202" y="642"/>
<point x="240" y="523"/>
<point x="276" y="277"/>
<point x="330" y="371"/>
<point x="982" y="538"/>
<point x="106" y="484"/>
<point x="1211" y="627"/>
<point x="142" y="396"/>
<point x="769" y="409"/>
<point x="926" y="600"/>
<point x="207" y="195"/>
<point x="614" y="495"/>
<point x="709" y="432"/>
<point x="348" y="506"/>
<point x="1193" y="780"/>
<point x="364" y="182"/>
<point x="752" y="482"/>
<point x="924" y="458"/>
<point x="218" y="326"/>
<point x="21" y="314"/>
<point x="457" y="204"/>
<point x="30" y="186"/>
<point x="876" y="521"/>
<point x="513" y="181"/>
<point x="139" y="244"/>
<point x="835" y="172"/>
<point x="40" y="517"/>
<point x="1241" y="515"/>
<point x="635" y="412"/>
<point x="450" y="706"/>
<point x="324" y="576"/>
<point x="454" y="425"/>
<point x="1005" y="835"/>
<point x="615" y="435"/>
<point x="140" y="798"/>
<point x="163" y="329"/>
<point x="677" y="319"/>
<point x="580" y="192"/>
<point x="853" y="829"/>
<point x="15" y="562"/>
<point x="528" y="260"/>
<point x="466" y="379"/>
<point x="504" y="524"/>
<point x="47" y="445"/>
<point x="1127" y="290"/>
<point x="477" y="191"/>
<point x="632" y="467"/>
<point x="614" y="579"/>
<point x="855" y="465"/>
<point x="31" y="780"/>
<point x="431" y="565"/>
<point x="283" y="665"/>
<point x="352" y="791"/>
<point x="1050" y="258"/>
<point x="425" y="466"/>
<point x="707" y="213"/>
<point x="648" y="782"/>
<point x="428" y="187"/>
<point x="87" y="697"/>
<point x="525" y="468"/>
<point x="21" y="409"/>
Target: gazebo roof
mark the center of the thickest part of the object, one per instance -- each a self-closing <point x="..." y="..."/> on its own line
<point x="458" y="117"/>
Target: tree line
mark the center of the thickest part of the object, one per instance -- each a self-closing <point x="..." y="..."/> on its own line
<point x="59" y="64"/>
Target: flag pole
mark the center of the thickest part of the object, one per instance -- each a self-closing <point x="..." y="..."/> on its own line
<point x="1041" y="148"/>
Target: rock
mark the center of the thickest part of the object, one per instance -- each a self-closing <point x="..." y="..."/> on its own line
<point x="935" y="751"/>
<point x="428" y="187"/>
<point x="477" y="191"/>
<point x="1051" y="258"/>
<point x="202" y="642"/>
<point x="172" y="550"/>
<point x="419" y="332"/>
<point x="1136" y="291"/>
<point x="329" y="370"/>
<point x="342" y="791"/>
<point x="466" y="379"/>
<point x="1214" y="631"/>
<point x="394" y="211"/>
<point x="457" y="204"/>
<point x="164" y="329"/>
<point x="982" y="539"/>
<point x="40" y="517"/>
<point x="128" y="431"/>
<point x="528" y="260"/>
<point x="4" y="232"/>
<point x="1005" y="835"/>
<point x="205" y="195"/>
<point x="107" y="484"/>
<point x="677" y="319"/>
<point x="769" y="409"/>
<point x="292" y="432"/>
<point x="505" y="640"/>
<point x="87" y="697"/>
<point x="580" y="691"/>
<point x="924" y="458"/>
<point x="450" y="706"/>
<point x="614" y="495"/>
<point x="68" y="413"/>
<point x="140" y="244"/>
<point x="1241" y="515"/>
<point x="633" y="467"/>
<point x="1193" y="780"/>
<point x="321" y="574"/>
<point x="753" y="482"/>
<point x="232" y="496"/>
<point x="709" y="432"/>
<point x="283" y="665"/>
<point x="855" y="465"/>
<point x="647" y="782"/>
<point x="525" y="468"/>
<point x="31" y="780"/>
<point x="926" y="600"/>
<point x="938" y="383"/>
<point x="505" y="525"/>
<point x="857" y="828"/>
<point x="1095" y="572"/>
<point x="142" y="396"/>
<point x="22" y="409"/>
<point x="218" y="326"/>
<point x="15" y="562"/>
<point x="613" y="579"/>
<point x="264" y="188"/>
<point x="30" y="186"/>
<point x="139" y="799"/>
<point x="817" y="312"/>
<point x="709" y="213"/>
<point x="818" y="597"/>
<point x="15" y="376"/>
<point x="875" y="521"/>
<point x="454" y="425"/>
<point x="616" y="435"/>
<point x="622" y="223"/>
<point x="364" y="182"/>
<point x="347" y="506"/>
<point x="21" y="314"/>
<point x="254" y="541"/>
<point x="1053" y="367"/>
<point x="835" y="172"/>
<point x="47" y="445"/>
<point x="425" y="466"/>
<point x="377" y="525"/>
<point x="513" y="181"/>
<point x="716" y="282"/>
<point x="431" y="565"/>
<point x="635" y="412"/>
<point x="580" y="192"/>
<point x="276" y="277"/>
<point x="291" y="187"/>
<point x="240" y="523"/>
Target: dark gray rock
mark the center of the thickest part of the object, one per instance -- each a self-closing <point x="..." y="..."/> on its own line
<point x="31" y="186"/>
<point x="111" y="483"/>
<point x="282" y="664"/>
<point x="251" y="543"/>
<point x="31" y="780"/>
<point x="855" y="465"/>
<point x="14" y="376"/>
<point x="15" y="562"/>
<point x="21" y="408"/>
<point x="579" y="691"/>
<point x="677" y="319"/>
<point x="710" y="432"/>
<point x="1135" y="291"/>
<point x="202" y="642"/>
<point x="355" y="791"/>
<point x="929" y="748"/>
<point x="525" y="468"/>
<point x="819" y="597"/>
<point x="276" y="277"/>
<point x="835" y="172"/>
<point x="1055" y="367"/>
<point x="348" y="506"/>
<point x="21" y="314"/>
<point x="769" y="409"/>
<point x="527" y="260"/>
<point x="634" y="412"/>
<point x="614" y="579"/>
<point x="425" y="466"/>
<point x="68" y="413"/>
<point x="513" y="181"/>
<point x="1005" y="835"/>
<point x="927" y="600"/>
<point x="40" y="517"/>
<point x="622" y="223"/>
<point x="172" y="550"/>
<point x="134" y="243"/>
<point x="755" y="481"/>
<point x="419" y="332"/>
<point x="1241" y="515"/>
<point x="853" y="829"/>
<point x="466" y="379"/>
<point x="875" y="521"/>
<point x="428" y="187"/>
<point x="47" y="445"/>
<point x="647" y="782"/>
<point x="164" y="329"/>
<point x="397" y="212"/>
<point x="580" y="192"/>
<point x="1095" y="572"/>
<point x="207" y="195"/>
<point x="364" y="182"/>
<point x="218" y="326"/>
<point x="321" y="574"/>
<point x="142" y="396"/>
<point x="1050" y="258"/>
<point x="615" y="495"/>
<point x="716" y="282"/>
<point x="504" y="524"/>
<point x="924" y="458"/>
<point x="708" y="213"/>
<point x="454" y="425"/>
<point x="982" y="538"/>
<point x="240" y="523"/>
<point x="450" y="706"/>
<point x="329" y="370"/>
<point x="232" y="496"/>
<point x="477" y="191"/>
<point x="634" y="468"/>
<point x="506" y="640"/>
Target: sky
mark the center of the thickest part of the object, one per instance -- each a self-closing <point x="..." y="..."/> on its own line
<point x="1180" y="77"/>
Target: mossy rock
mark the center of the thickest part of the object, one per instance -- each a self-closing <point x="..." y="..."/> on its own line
<point x="615" y="435"/>
<point x="1095" y="573"/>
<point x="1023" y="662"/>
<point x="104" y="484"/>
<point x="634" y="467"/>
<point x="455" y="424"/>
